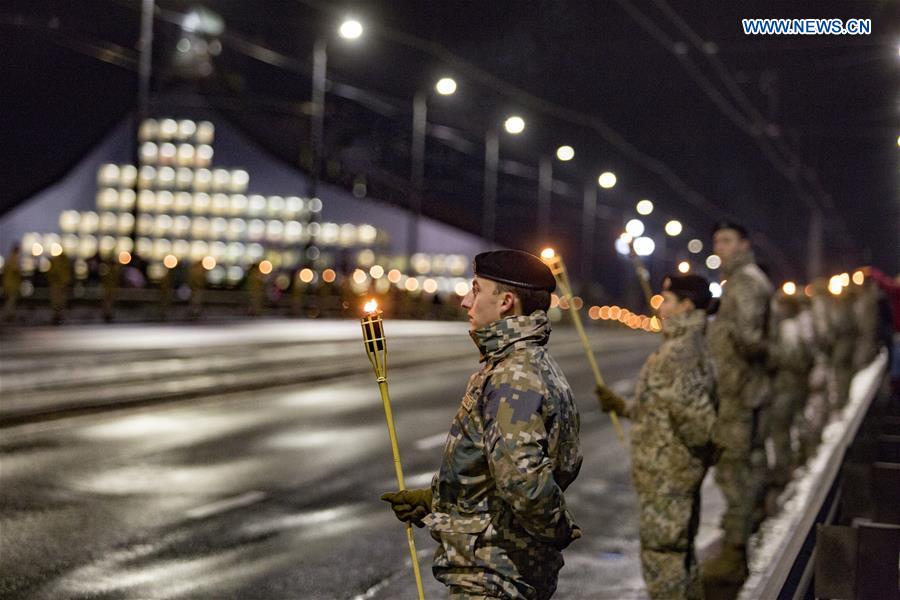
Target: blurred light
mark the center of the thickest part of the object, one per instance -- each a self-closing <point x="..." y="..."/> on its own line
<point x="209" y="263"/>
<point x="634" y="228"/>
<point x="565" y="153"/>
<point x="622" y="245"/>
<point x="306" y="275"/>
<point x="577" y="302"/>
<point x="684" y="267"/>
<point x="715" y="289"/>
<point x="265" y="267"/>
<point x="359" y="276"/>
<point x="655" y="324"/>
<point x="607" y="180"/>
<point x="554" y="301"/>
<point x="412" y="284"/>
<point x="351" y="29"/>
<point x="514" y="125"/>
<point x="835" y="286"/>
<point x="124" y="257"/>
<point x="615" y="312"/>
<point x="859" y="277"/>
<point x="55" y="249"/>
<point x="461" y="289"/>
<point x="695" y="246"/>
<point x="371" y="306"/>
<point x="328" y="275"/>
<point x="170" y="261"/>
<point x="845" y="279"/>
<point x="644" y="207"/>
<point x="394" y="276"/>
<point x="644" y="246"/>
<point x="430" y="286"/>
<point x="445" y="86"/>
<point x="789" y="288"/>
<point x="377" y="272"/>
<point x="673" y="228"/>
<point x="713" y="262"/>
<point x="808" y="291"/>
<point x="594" y="312"/>
<point x="656" y="301"/>
<point x="548" y="253"/>
<point x="37" y="249"/>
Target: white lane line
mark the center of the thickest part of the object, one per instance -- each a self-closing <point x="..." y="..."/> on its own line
<point x="227" y="504"/>
<point x="432" y="441"/>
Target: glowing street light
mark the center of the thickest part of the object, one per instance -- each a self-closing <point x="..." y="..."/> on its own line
<point x="673" y="228"/>
<point x="713" y="262"/>
<point x="565" y="153"/>
<point x="644" y="246"/>
<point x="644" y="207"/>
<point x="695" y="246"/>
<point x="789" y="288"/>
<point x="684" y="267"/>
<point x="607" y="180"/>
<point x="351" y="29"/>
<point x="514" y="125"/>
<point x="446" y="86"/>
<point x="859" y="277"/>
<point x="635" y="228"/>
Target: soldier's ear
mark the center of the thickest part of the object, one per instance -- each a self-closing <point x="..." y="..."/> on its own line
<point x="508" y="303"/>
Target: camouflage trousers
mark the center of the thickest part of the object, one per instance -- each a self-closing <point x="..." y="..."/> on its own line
<point x="787" y="408"/>
<point x="498" y="561"/>
<point x="668" y="525"/>
<point x="742" y="471"/>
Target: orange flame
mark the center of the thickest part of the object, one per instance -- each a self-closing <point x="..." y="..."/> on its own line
<point x="371" y="306"/>
<point x="548" y="253"/>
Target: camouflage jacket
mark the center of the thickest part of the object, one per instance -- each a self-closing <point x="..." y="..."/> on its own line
<point x="674" y="410"/>
<point x="512" y="450"/>
<point x="738" y="336"/>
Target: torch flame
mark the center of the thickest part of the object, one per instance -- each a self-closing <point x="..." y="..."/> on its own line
<point x="548" y="253"/>
<point x="371" y="306"/>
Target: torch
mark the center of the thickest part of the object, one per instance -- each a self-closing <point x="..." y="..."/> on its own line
<point x="376" y="349"/>
<point x="555" y="262"/>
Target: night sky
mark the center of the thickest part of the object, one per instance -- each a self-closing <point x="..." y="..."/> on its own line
<point x="671" y="96"/>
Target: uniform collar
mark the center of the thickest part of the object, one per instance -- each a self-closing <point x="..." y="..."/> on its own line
<point x="739" y="260"/>
<point x="498" y="339"/>
<point x="683" y="324"/>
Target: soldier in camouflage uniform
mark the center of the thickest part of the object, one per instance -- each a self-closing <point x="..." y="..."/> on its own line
<point x="845" y="339"/>
<point x="737" y="343"/>
<point x="674" y="416"/>
<point x="497" y="506"/>
<point x="790" y="359"/>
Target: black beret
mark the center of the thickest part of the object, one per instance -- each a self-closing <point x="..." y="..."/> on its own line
<point x="725" y="224"/>
<point x="515" y="268"/>
<point x="692" y="287"/>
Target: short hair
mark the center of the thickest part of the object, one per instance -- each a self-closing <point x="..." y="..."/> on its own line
<point x="531" y="300"/>
<point x="690" y="287"/>
<point x="736" y="227"/>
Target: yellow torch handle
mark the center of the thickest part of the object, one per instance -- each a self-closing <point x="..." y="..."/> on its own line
<point x="645" y="285"/>
<point x="563" y="281"/>
<point x="398" y="470"/>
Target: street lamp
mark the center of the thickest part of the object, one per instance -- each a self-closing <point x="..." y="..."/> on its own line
<point x="673" y="228"/>
<point x="514" y="125"/>
<point x="635" y="228"/>
<point x="445" y="86"/>
<point x="607" y="180"/>
<point x="644" y="207"/>
<point x="350" y="29"/>
<point x="644" y="246"/>
<point x="695" y="246"/>
<point x="565" y="153"/>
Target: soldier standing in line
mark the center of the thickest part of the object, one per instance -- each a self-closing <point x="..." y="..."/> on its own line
<point x="737" y="342"/>
<point x="59" y="277"/>
<point x="12" y="281"/>
<point x="674" y="416"/>
<point x="790" y="358"/>
<point x="497" y="506"/>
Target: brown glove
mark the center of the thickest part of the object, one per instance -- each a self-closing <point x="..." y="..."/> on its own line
<point x="609" y="400"/>
<point x="410" y="506"/>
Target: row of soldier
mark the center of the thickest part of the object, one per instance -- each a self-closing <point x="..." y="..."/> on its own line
<point x="301" y="297"/>
<point x="766" y="371"/>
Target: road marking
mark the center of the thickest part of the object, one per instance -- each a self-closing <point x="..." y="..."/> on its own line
<point x="227" y="504"/>
<point x="432" y="441"/>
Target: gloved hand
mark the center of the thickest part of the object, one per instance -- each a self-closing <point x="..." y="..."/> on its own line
<point x="609" y="400"/>
<point x="410" y="506"/>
